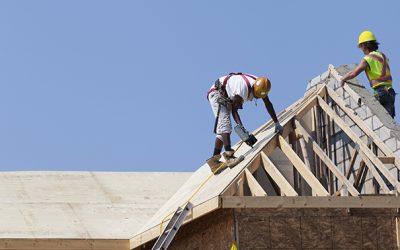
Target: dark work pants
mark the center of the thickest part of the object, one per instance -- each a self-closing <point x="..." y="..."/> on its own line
<point x="386" y="99"/>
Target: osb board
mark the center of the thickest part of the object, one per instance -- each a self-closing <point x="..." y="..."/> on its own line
<point x="317" y="228"/>
<point x="64" y="244"/>
<point x="212" y="231"/>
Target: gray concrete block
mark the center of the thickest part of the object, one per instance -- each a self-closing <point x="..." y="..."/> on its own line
<point x="368" y="111"/>
<point x="391" y="143"/>
<point x="339" y="91"/>
<point x="315" y="81"/>
<point x="383" y="133"/>
<point x="368" y="122"/>
<point x="360" y="112"/>
<point x="397" y="153"/>
<point x="357" y="130"/>
<point x="376" y="123"/>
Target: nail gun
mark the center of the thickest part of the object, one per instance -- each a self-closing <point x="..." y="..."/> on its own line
<point x="245" y="136"/>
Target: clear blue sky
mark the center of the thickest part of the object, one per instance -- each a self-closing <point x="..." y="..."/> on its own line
<point x="121" y="85"/>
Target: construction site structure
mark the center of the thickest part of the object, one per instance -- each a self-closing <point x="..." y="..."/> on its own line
<point x="329" y="181"/>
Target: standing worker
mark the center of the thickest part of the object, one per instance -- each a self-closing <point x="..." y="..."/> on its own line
<point x="376" y="66"/>
<point x="226" y="96"/>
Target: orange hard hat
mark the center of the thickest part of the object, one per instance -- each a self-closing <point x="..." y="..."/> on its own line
<point x="261" y="87"/>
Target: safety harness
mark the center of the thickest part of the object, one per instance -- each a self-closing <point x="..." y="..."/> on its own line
<point x="222" y="87"/>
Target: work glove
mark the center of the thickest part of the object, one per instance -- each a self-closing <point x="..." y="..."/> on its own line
<point x="278" y="128"/>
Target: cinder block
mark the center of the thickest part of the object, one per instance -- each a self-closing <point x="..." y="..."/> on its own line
<point x="367" y="110"/>
<point x="397" y="153"/>
<point x="357" y="130"/>
<point x="368" y="122"/>
<point x="391" y="143"/>
<point x="315" y="81"/>
<point x="376" y="123"/>
<point x="339" y="91"/>
<point x="383" y="133"/>
<point x="360" y="112"/>
<point x="353" y="104"/>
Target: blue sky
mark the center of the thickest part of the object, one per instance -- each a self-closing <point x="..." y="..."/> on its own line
<point x="121" y="85"/>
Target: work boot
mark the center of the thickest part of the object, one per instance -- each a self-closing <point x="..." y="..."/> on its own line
<point x="231" y="160"/>
<point x="215" y="164"/>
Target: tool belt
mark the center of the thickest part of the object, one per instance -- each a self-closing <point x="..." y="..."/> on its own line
<point x="382" y="93"/>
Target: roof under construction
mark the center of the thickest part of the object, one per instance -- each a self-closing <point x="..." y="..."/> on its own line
<point x="339" y="149"/>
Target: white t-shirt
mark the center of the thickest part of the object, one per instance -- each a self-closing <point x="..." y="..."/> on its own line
<point x="236" y="85"/>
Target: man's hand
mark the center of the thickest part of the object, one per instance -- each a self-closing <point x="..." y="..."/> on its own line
<point x="278" y="128"/>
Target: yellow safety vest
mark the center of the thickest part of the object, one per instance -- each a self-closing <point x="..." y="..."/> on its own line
<point x="378" y="72"/>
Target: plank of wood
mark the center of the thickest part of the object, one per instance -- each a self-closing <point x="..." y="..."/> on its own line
<point x="363" y="148"/>
<point x="70" y="244"/>
<point x="301" y="168"/>
<point x="360" y="171"/>
<point x="387" y="159"/>
<point x="276" y="175"/>
<point x="328" y="162"/>
<point x="311" y="202"/>
<point x="255" y="188"/>
<point x="351" y="164"/>
<point x="375" y="173"/>
<point x="361" y="124"/>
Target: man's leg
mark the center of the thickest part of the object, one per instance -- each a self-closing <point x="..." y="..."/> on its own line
<point x="387" y="99"/>
<point x="223" y="132"/>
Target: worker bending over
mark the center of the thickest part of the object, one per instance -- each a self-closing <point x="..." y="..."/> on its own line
<point x="376" y="66"/>
<point x="227" y="96"/>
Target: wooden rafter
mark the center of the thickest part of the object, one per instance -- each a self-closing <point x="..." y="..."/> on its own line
<point x="276" y="175"/>
<point x="301" y="168"/>
<point x="358" y="121"/>
<point x="328" y="162"/>
<point x="363" y="148"/>
<point x="255" y="188"/>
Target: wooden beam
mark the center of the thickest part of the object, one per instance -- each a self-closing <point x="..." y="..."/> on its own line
<point x="64" y="244"/>
<point x="363" y="148"/>
<point x="387" y="159"/>
<point x="276" y="175"/>
<point x="351" y="164"/>
<point x="328" y="162"/>
<point x="255" y="188"/>
<point x="375" y="173"/>
<point x="361" y="124"/>
<point x="360" y="171"/>
<point x="388" y="201"/>
<point x="301" y="168"/>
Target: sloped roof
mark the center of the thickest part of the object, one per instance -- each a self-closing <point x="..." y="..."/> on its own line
<point x="205" y="198"/>
<point x="81" y="205"/>
<point x="204" y="190"/>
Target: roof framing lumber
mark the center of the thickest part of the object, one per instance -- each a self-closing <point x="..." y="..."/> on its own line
<point x="67" y="244"/>
<point x="328" y="162"/>
<point x="363" y="148"/>
<point x="387" y="201"/>
<point x="360" y="123"/>
<point x="375" y="173"/>
<point x="276" y="175"/>
<point x="255" y="188"/>
<point x="301" y="168"/>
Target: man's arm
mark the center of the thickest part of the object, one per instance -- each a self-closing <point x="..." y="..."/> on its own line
<point x="236" y="105"/>
<point x="270" y="108"/>
<point x="355" y="72"/>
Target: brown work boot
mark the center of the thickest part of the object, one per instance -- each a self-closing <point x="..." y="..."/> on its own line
<point x="215" y="164"/>
<point x="231" y="160"/>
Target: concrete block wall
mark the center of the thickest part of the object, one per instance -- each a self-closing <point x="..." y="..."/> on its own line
<point x="373" y="114"/>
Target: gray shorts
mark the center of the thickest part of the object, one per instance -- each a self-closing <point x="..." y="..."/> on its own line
<point x="224" y="121"/>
